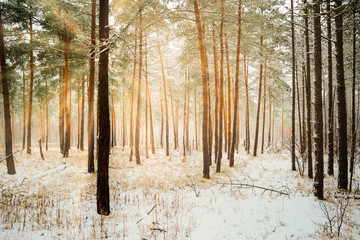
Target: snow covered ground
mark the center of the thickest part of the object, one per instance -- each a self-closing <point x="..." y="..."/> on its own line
<point x="167" y="198"/>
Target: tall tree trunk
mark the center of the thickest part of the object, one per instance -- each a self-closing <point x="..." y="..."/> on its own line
<point x="228" y="133"/>
<point x="173" y="116"/>
<point x="24" y="113"/>
<point x="259" y="98"/>
<point x="196" y="137"/>
<point x="206" y="162"/>
<point x="282" y="119"/>
<point x="247" y="127"/>
<point x="5" y="92"/>
<point x="221" y="95"/>
<point x="270" y="123"/>
<point x="132" y="101"/>
<point x="103" y="139"/>
<point x="177" y="121"/>
<point x="264" y="111"/>
<point x="166" y="109"/>
<point x="353" y="116"/>
<point x="91" y="120"/>
<point x="61" y="112"/>
<point x="341" y="99"/>
<point x="82" y="129"/>
<point x="162" y="122"/>
<point x="184" y="120"/>
<point x="28" y="149"/>
<point x="78" y="117"/>
<point x="47" y="117"/>
<point x="235" y="135"/>
<point x="308" y="94"/>
<point x="151" y="123"/>
<point x="318" y="138"/>
<point x="66" y="101"/>
<point x="299" y="111"/>
<point x="146" y="101"/>
<point x="138" y="110"/>
<point x="330" y="94"/>
<point x="216" y="77"/>
<point x="188" y="114"/>
<point x="293" y="89"/>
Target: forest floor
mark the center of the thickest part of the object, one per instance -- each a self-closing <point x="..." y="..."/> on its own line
<point x="167" y="198"/>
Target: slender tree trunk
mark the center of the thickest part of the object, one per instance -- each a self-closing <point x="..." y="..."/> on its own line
<point x="196" y="137"/>
<point x="206" y="170"/>
<point x="293" y="90"/>
<point x="264" y="115"/>
<point x="5" y="92"/>
<point x="173" y="116"/>
<point x="61" y="112"/>
<point x="188" y="113"/>
<point x="79" y="117"/>
<point x="162" y="123"/>
<point x="299" y="112"/>
<point x="103" y="139"/>
<point x="221" y="95"/>
<point x="138" y="110"/>
<point x="353" y="116"/>
<point x="91" y="120"/>
<point x="132" y="101"/>
<point x="270" y="123"/>
<point x="66" y="90"/>
<point x="259" y="99"/>
<point x="228" y="133"/>
<point x="82" y="129"/>
<point x="151" y="123"/>
<point x="216" y="77"/>
<point x="47" y="117"/>
<point x="330" y="94"/>
<point x="28" y="149"/>
<point x="235" y="135"/>
<point x="184" y="120"/>
<point x="318" y="138"/>
<point x="166" y="109"/>
<point x="308" y="94"/>
<point x="341" y="99"/>
<point x="24" y="113"/>
<point x="282" y="119"/>
<point x="177" y="122"/>
<point x="146" y="101"/>
<point x="247" y="127"/>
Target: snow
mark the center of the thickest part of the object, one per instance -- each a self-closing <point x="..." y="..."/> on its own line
<point x="164" y="198"/>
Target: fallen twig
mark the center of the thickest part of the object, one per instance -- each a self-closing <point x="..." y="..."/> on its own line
<point x="255" y="186"/>
<point x="147" y="213"/>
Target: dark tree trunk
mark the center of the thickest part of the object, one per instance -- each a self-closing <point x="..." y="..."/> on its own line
<point x="330" y="94"/>
<point x="82" y="129"/>
<point x="235" y="135"/>
<point x="221" y="94"/>
<point x="293" y="90"/>
<point x="66" y="89"/>
<point x="247" y="127"/>
<point x="138" y="109"/>
<point x="318" y="138"/>
<point x="341" y="99"/>
<point x="353" y="116"/>
<point x="206" y="170"/>
<point x="308" y="94"/>
<point x="5" y="92"/>
<point x="216" y="77"/>
<point x="91" y="120"/>
<point x="103" y="140"/>
<point x="28" y="149"/>
<point x="264" y="111"/>
<point x="259" y="99"/>
<point x="24" y="113"/>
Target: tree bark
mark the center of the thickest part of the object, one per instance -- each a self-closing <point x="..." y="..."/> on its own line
<point x="293" y="168"/>
<point x="166" y="108"/>
<point x="318" y="138"/>
<point x="138" y="110"/>
<point x="151" y="123"/>
<point x="235" y="135"/>
<point x="308" y="94"/>
<point x="82" y="129"/>
<point x="5" y="92"/>
<point x="216" y="77"/>
<point x="247" y="127"/>
<point x="24" y="113"/>
<point x="47" y="117"/>
<point x="206" y="162"/>
<point x="353" y="116"/>
<point x="28" y="149"/>
<point x="259" y="98"/>
<point x="264" y="113"/>
<point x="66" y="101"/>
<point x="103" y="139"/>
<point x="228" y="133"/>
<point x="132" y="101"/>
<point x="341" y="99"/>
<point x="221" y="94"/>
